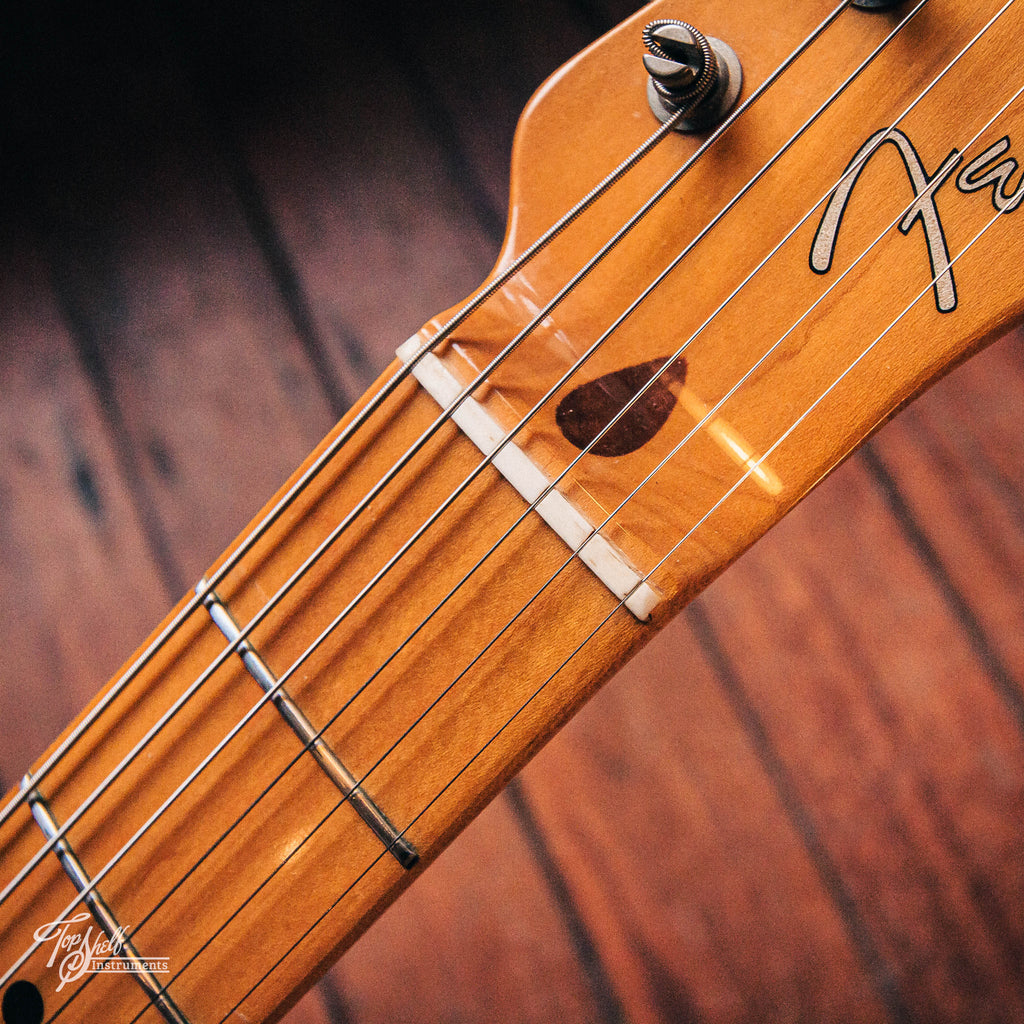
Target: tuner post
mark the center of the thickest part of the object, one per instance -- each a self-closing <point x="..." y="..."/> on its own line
<point x="692" y="77"/>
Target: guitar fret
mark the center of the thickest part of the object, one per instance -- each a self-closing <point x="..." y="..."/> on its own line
<point x="402" y="850"/>
<point x="138" y="966"/>
<point x="605" y="560"/>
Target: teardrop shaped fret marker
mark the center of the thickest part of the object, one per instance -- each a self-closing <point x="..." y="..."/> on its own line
<point x="584" y="412"/>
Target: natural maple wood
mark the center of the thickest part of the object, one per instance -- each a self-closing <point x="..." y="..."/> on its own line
<point x="406" y="782"/>
<point x="922" y="345"/>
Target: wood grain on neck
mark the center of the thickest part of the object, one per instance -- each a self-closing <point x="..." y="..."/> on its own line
<point x="298" y="878"/>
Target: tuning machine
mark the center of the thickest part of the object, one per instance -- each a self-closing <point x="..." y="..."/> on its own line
<point x="690" y="72"/>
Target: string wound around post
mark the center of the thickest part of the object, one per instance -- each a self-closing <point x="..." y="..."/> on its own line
<point x="691" y="73"/>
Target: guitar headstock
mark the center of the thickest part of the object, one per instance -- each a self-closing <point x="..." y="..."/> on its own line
<point x="840" y="243"/>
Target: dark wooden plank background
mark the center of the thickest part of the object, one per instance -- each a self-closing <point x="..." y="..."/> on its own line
<point x="802" y="803"/>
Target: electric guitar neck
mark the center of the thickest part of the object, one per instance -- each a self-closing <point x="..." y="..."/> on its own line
<point x="726" y="266"/>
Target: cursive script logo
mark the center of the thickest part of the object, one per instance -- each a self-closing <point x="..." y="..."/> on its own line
<point x="982" y="172"/>
<point x="922" y="209"/>
<point x="978" y="174"/>
<point x="76" y="952"/>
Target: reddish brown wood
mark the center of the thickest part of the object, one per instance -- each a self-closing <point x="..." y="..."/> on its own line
<point x="520" y="959"/>
<point x="67" y="527"/>
<point x="982" y="844"/>
<point x="909" y="767"/>
<point x="685" y="857"/>
<point x="974" y="535"/>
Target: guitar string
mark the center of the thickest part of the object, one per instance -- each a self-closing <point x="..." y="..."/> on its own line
<point x="619" y="604"/>
<point x="647" y="576"/>
<point x="465" y="578"/>
<point x="33" y="779"/>
<point x="266" y="696"/>
<point x="678" y="447"/>
<point x="443" y="418"/>
<point x="359" y="418"/>
<point x="196" y="599"/>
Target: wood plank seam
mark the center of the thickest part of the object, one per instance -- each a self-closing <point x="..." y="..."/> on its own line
<point x="878" y="970"/>
<point x="97" y="373"/>
<point x="1002" y="680"/>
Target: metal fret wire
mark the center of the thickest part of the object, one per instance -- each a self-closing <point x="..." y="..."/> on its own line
<point x="387" y="389"/>
<point x="609" y="426"/>
<point x="528" y="510"/>
<point x="619" y="604"/>
<point x="196" y="599"/>
<point x="568" y="561"/>
<point x="416" y="447"/>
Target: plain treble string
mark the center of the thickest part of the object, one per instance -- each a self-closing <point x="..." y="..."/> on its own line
<point x="752" y="98"/>
<point x="443" y="418"/>
<point x="620" y="604"/>
<point x="199" y="595"/>
<point x="386" y="390"/>
<point x="483" y="558"/>
<point x="549" y="488"/>
<point x="776" y="445"/>
<point x="774" y="346"/>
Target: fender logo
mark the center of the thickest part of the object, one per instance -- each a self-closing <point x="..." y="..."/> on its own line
<point x="982" y="172"/>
